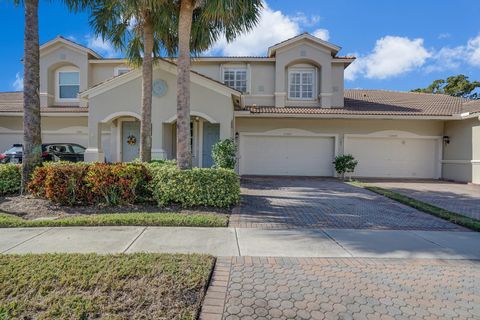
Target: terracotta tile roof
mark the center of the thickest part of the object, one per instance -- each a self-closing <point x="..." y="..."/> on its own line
<point x="472" y="106"/>
<point x="379" y="102"/>
<point x="13" y="102"/>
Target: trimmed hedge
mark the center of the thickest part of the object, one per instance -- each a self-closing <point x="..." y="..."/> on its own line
<point x="10" y="178"/>
<point x="194" y="187"/>
<point x="70" y="183"/>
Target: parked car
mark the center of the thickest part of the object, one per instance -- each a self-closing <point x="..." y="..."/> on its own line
<point x="50" y="152"/>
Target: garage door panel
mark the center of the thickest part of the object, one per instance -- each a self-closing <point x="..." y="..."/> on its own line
<point x="394" y="157"/>
<point x="286" y="155"/>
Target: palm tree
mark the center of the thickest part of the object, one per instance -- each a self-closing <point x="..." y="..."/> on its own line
<point x="32" y="134"/>
<point x="206" y="20"/>
<point x="136" y="26"/>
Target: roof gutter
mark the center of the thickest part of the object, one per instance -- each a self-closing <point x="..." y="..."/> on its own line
<point x="248" y="114"/>
<point x="47" y="114"/>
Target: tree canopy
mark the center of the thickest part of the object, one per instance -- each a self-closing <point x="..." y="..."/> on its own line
<point x="457" y="86"/>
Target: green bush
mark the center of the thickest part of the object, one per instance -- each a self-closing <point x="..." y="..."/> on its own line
<point x="70" y="183"/>
<point x="224" y="154"/>
<point x="195" y="187"/>
<point x="345" y="163"/>
<point x="10" y="179"/>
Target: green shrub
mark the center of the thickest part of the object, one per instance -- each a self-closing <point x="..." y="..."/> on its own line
<point x="194" y="187"/>
<point x="224" y="154"/>
<point x="163" y="162"/>
<point x="10" y="178"/>
<point x="70" y="183"/>
<point x="345" y="163"/>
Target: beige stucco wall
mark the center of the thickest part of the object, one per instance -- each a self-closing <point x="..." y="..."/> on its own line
<point x="54" y="129"/>
<point x="53" y="59"/>
<point x="303" y="53"/>
<point x="205" y="103"/>
<point x="99" y="72"/>
<point x="461" y="155"/>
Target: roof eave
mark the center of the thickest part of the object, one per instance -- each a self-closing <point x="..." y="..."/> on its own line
<point x="246" y="113"/>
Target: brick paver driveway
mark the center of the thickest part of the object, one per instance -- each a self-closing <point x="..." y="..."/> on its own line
<point x="284" y="203"/>
<point x="455" y="197"/>
<point x="289" y="288"/>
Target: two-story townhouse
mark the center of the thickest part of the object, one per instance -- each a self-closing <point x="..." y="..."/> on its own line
<point x="288" y="113"/>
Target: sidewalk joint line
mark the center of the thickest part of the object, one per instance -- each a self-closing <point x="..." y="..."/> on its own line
<point x="428" y="240"/>
<point x="338" y="243"/>
<point x="238" y="245"/>
<point x="135" y="239"/>
<point x="19" y="244"/>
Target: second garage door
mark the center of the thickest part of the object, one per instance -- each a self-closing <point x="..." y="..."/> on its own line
<point x="394" y="157"/>
<point x="286" y="155"/>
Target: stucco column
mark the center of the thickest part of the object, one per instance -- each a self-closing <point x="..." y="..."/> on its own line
<point x="94" y="152"/>
<point x="326" y="86"/>
<point x="158" y="150"/>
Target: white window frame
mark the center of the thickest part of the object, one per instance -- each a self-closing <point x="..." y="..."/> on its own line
<point x="313" y="71"/>
<point x="235" y="70"/>
<point x="57" y="83"/>
<point x="116" y="71"/>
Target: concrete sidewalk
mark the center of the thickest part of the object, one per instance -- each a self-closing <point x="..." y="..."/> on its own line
<point x="244" y="242"/>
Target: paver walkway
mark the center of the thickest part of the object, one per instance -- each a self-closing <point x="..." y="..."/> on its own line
<point x="309" y="288"/>
<point x="456" y="197"/>
<point x="288" y="203"/>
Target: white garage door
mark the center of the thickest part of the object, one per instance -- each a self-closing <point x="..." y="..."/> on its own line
<point x="286" y="155"/>
<point x="394" y="157"/>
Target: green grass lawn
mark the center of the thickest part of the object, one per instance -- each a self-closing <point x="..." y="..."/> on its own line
<point x="121" y="219"/>
<point x="456" y="218"/>
<point x="91" y="286"/>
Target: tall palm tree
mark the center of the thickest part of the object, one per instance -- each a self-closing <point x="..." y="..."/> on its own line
<point x="206" y="20"/>
<point x="32" y="134"/>
<point x="135" y="26"/>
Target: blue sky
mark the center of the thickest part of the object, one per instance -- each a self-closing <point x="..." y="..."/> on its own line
<point x="400" y="45"/>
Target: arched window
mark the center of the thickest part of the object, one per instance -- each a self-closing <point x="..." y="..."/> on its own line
<point x="301" y="83"/>
<point x="67" y="84"/>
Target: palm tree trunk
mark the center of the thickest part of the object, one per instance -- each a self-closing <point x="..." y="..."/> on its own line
<point x="184" y="153"/>
<point x="147" y="75"/>
<point x="32" y="135"/>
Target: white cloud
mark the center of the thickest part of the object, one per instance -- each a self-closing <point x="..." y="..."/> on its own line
<point x="17" y="85"/>
<point x="444" y="35"/>
<point x="323" y="34"/>
<point x="391" y="56"/>
<point x="273" y="27"/>
<point x="104" y="48"/>
<point x="304" y="20"/>
<point x="446" y="59"/>
<point x="473" y="51"/>
<point x="451" y="58"/>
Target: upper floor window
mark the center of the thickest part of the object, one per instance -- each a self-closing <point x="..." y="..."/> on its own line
<point x="68" y="83"/>
<point x="118" y="71"/>
<point x="301" y="84"/>
<point x="236" y="78"/>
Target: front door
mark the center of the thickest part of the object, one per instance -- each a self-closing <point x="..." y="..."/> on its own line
<point x="211" y="135"/>
<point x="130" y="140"/>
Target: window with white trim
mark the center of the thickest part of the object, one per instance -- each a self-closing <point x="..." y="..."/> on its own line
<point x="68" y="84"/>
<point x="236" y="79"/>
<point x="120" y="70"/>
<point x="301" y="84"/>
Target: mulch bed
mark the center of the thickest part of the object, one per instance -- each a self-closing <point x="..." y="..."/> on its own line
<point x="29" y="207"/>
